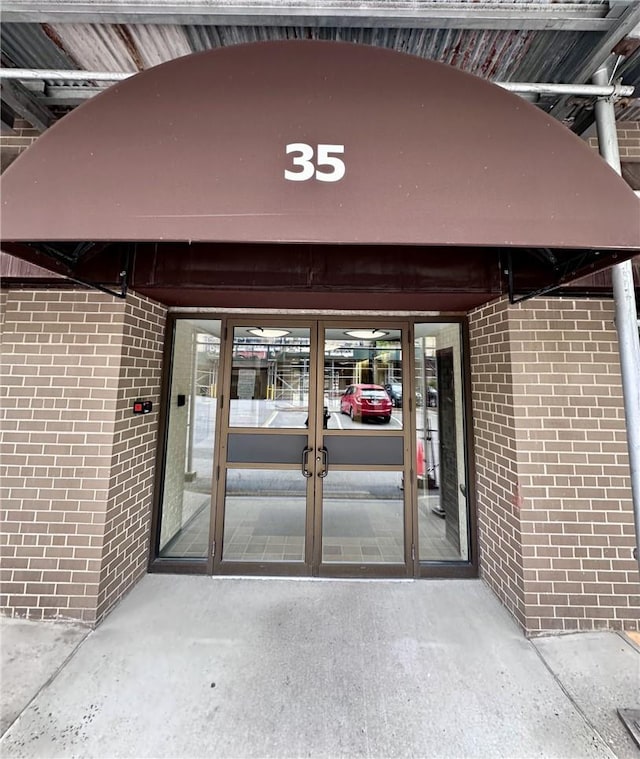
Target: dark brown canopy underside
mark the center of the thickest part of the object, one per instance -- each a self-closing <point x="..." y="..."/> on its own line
<point x="317" y="276"/>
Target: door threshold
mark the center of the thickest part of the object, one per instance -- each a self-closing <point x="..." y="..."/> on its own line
<point x="306" y="578"/>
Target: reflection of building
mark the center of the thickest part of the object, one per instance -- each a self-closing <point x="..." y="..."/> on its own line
<point x="518" y="416"/>
<point x="280" y="371"/>
<point x="207" y="365"/>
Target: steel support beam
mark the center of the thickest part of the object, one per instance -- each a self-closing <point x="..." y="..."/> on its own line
<point x="7" y="119"/>
<point x="627" y="24"/>
<point x="25" y="104"/>
<point x="416" y="14"/>
<point x="600" y="54"/>
<point x="626" y="311"/>
<point x="63" y="95"/>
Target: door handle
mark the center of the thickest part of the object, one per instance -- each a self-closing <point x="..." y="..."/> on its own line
<point x="324" y="459"/>
<point x="305" y="461"/>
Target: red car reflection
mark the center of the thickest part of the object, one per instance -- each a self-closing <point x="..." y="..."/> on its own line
<point x="366" y="402"/>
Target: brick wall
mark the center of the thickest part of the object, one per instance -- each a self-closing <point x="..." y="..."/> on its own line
<point x="76" y="467"/>
<point x="554" y="494"/>
<point x="11" y="145"/>
<point x="128" y="510"/>
<point x="629" y="146"/>
<point x="628" y="139"/>
<point x="494" y="423"/>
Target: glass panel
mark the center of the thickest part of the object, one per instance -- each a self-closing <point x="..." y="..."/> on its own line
<point x="440" y="466"/>
<point x="270" y="377"/>
<point x="186" y="492"/>
<point x="362" y="378"/>
<point x="368" y="450"/>
<point x="248" y="448"/>
<point x="264" y="515"/>
<point x="363" y="518"/>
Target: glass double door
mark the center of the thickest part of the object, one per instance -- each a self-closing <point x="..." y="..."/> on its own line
<point x="313" y="450"/>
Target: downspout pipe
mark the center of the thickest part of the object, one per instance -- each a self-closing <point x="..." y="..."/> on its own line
<point x="625" y="309"/>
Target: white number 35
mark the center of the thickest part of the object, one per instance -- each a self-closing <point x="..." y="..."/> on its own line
<point x="326" y="157"/>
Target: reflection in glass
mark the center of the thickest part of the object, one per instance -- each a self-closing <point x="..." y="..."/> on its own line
<point x="440" y="466"/>
<point x="264" y="515"/>
<point x="363" y="518"/>
<point x="363" y="378"/>
<point x="187" y="485"/>
<point x="269" y="377"/>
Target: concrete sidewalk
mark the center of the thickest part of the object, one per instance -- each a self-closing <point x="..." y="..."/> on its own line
<point x="221" y="667"/>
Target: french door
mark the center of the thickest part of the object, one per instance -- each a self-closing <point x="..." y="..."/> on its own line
<point x="315" y="447"/>
<point x="313" y="453"/>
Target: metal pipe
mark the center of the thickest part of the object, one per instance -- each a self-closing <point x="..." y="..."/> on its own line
<point x="536" y="88"/>
<point x="583" y="90"/>
<point x="626" y="311"/>
<point x="66" y="75"/>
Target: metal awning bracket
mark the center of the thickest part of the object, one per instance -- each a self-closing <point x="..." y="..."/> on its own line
<point x="71" y="259"/>
<point x="560" y="271"/>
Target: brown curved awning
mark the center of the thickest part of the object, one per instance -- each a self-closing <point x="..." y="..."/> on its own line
<point x="454" y="190"/>
<point x="194" y="150"/>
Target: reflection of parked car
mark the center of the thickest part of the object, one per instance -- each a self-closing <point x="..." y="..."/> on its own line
<point x="394" y="391"/>
<point x="366" y="402"/>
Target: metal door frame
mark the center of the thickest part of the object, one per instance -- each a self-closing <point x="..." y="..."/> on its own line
<point x="312" y="564"/>
<point x="211" y="563"/>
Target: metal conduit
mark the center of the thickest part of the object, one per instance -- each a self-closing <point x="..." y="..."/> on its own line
<point x="583" y="90"/>
<point x="65" y="75"/>
<point x="626" y="310"/>
<point x="535" y="88"/>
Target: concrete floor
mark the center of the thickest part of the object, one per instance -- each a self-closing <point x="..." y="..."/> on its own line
<point x="234" y="668"/>
<point x="31" y="655"/>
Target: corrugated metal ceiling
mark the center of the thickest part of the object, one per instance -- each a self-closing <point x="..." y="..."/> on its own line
<point x="561" y="53"/>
